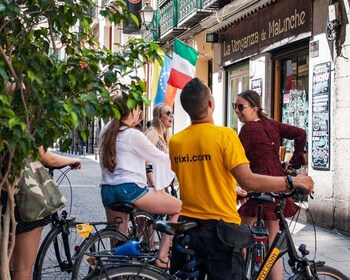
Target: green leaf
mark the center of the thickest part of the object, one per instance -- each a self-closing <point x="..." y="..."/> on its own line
<point x="7" y="113"/>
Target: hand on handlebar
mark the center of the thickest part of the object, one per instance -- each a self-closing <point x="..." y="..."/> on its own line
<point x="305" y="182"/>
<point x="75" y="165"/>
<point x="241" y="195"/>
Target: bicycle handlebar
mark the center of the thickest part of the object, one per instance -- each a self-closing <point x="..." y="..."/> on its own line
<point x="280" y="195"/>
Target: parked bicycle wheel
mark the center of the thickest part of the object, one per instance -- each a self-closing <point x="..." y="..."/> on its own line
<point x="323" y="273"/>
<point x="143" y="225"/>
<point x="105" y="239"/>
<point x="130" y="272"/>
<point x="54" y="260"/>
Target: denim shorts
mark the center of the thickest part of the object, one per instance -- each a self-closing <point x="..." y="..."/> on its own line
<point x="128" y="192"/>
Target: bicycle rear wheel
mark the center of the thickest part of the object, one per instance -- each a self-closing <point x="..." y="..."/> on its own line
<point x="105" y="239"/>
<point x="144" y="230"/>
<point x="129" y="272"/>
<point x="323" y="273"/>
<point x="53" y="260"/>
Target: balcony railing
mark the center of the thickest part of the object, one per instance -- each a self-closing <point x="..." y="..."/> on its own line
<point x="176" y="16"/>
<point x="191" y="12"/>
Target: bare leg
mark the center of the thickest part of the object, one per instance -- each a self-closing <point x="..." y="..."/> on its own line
<point x="160" y="202"/>
<point x="276" y="271"/>
<point x="24" y="254"/>
<point x="112" y="215"/>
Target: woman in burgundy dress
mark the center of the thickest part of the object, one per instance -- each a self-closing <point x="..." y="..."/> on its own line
<point x="261" y="138"/>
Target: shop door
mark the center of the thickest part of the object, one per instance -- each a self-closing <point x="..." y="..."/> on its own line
<point x="291" y="89"/>
<point x="238" y="81"/>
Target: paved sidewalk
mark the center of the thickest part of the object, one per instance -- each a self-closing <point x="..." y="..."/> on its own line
<point x="332" y="247"/>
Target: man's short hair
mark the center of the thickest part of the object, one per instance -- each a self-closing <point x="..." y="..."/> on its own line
<point x="194" y="99"/>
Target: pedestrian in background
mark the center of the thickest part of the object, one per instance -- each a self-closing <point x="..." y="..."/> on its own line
<point x="261" y="139"/>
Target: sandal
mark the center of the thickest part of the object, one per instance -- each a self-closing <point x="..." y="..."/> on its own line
<point x="162" y="264"/>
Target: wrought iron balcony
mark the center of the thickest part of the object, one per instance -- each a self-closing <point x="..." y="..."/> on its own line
<point x="191" y="12"/>
<point x="168" y="20"/>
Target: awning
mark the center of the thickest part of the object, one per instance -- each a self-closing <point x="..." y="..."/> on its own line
<point x="232" y="13"/>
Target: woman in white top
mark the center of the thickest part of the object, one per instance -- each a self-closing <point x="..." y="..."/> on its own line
<point x="123" y="152"/>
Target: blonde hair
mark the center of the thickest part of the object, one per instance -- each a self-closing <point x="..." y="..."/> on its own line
<point x="157" y="123"/>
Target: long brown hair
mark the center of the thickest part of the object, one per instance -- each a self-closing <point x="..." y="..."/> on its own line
<point x="108" y="152"/>
<point x="254" y="100"/>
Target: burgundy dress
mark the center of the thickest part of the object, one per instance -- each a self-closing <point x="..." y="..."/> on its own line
<point x="256" y="138"/>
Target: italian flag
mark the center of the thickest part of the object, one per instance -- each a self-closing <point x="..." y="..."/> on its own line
<point x="183" y="67"/>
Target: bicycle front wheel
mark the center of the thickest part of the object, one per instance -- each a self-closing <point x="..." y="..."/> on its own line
<point x="54" y="257"/>
<point x="323" y="273"/>
<point x="105" y="239"/>
<point x="129" y="272"/>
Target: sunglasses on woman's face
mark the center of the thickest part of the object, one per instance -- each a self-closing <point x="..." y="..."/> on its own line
<point x="169" y="113"/>
<point x="240" y="107"/>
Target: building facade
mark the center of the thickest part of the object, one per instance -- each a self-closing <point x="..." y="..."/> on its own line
<point x="295" y="54"/>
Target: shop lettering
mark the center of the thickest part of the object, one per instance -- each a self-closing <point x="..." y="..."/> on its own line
<point x="241" y="44"/>
<point x="277" y="27"/>
<point x="321" y="78"/>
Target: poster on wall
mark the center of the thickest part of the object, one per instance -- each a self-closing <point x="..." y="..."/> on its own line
<point x="256" y="85"/>
<point x="321" y="81"/>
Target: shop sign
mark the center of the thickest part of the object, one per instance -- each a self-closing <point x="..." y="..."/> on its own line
<point x="273" y="26"/>
<point x="320" y="145"/>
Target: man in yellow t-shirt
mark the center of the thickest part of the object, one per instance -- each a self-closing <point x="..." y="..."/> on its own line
<point x="207" y="160"/>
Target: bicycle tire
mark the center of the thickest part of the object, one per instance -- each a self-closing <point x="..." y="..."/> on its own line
<point x="145" y="231"/>
<point x="99" y="241"/>
<point x="323" y="273"/>
<point x="52" y="261"/>
<point x="130" y="272"/>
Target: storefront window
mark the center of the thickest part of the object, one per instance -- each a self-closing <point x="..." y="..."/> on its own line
<point x="295" y="98"/>
<point x="238" y="81"/>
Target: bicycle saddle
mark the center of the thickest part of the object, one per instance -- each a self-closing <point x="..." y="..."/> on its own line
<point x="173" y="228"/>
<point x="122" y="207"/>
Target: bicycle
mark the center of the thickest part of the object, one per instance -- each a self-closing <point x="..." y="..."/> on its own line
<point x="63" y="246"/>
<point x="256" y="253"/>
<point x="140" y="225"/>
<point x="111" y="266"/>
<point x="140" y="228"/>
<point x="301" y="266"/>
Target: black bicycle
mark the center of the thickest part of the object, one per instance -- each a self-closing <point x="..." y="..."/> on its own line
<point x="67" y="241"/>
<point x="256" y="253"/>
<point x="301" y="266"/>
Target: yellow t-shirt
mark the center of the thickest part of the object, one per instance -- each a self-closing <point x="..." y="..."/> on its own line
<point x="202" y="157"/>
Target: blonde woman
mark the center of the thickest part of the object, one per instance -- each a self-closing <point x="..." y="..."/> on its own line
<point x="159" y="133"/>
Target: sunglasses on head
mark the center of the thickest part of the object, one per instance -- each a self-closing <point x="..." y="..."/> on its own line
<point x="169" y="113"/>
<point x="240" y="107"/>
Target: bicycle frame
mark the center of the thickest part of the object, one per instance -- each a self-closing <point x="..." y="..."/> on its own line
<point x="282" y="244"/>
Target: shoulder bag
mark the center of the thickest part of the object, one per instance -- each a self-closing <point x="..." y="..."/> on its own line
<point x="37" y="193"/>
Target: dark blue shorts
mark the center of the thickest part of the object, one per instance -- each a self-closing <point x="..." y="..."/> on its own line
<point x="216" y="260"/>
<point x="128" y="192"/>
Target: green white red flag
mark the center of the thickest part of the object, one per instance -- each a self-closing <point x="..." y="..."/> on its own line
<point x="183" y="67"/>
